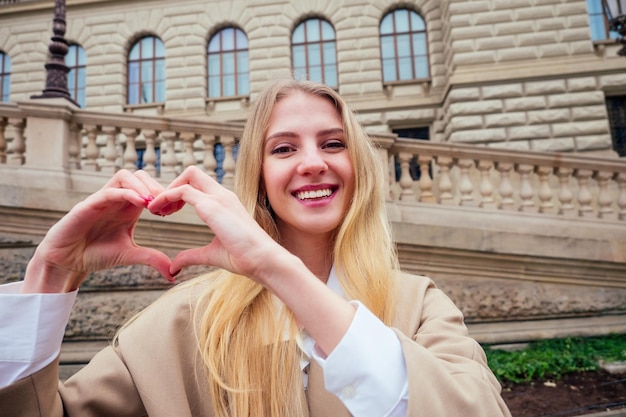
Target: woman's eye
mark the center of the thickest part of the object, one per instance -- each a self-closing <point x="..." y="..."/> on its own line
<point x="281" y="149"/>
<point x="335" y="144"/>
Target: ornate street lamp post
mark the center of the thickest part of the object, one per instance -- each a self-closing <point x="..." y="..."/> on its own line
<point x="56" y="70"/>
<point x="615" y="12"/>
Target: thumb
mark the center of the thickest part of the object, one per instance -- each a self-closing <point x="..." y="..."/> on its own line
<point x="151" y="257"/>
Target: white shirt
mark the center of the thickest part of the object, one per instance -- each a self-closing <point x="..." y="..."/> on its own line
<point x="32" y="328"/>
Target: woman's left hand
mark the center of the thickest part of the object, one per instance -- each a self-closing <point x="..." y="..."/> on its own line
<point x="240" y="245"/>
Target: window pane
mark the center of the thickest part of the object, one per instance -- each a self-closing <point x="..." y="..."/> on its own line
<point x="228" y="39"/>
<point x="330" y="56"/>
<point x="242" y="40"/>
<point x="404" y="46"/>
<point x="298" y="34"/>
<point x="228" y="63"/>
<point x="160" y="91"/>
<point x="402" y="20"/>
<point x="133" y="73"/>
<point x="82" y="56"/>
<point x="387" y="48"/>
<point x="214" y="65"/>
<point x="315" y="55"/>
<point x="417" y="23"/>
<point x="6" y="87"/>
<point x="419" y="44"/>
<point x="214" y="43"/>
<point x="134" y="52"/>
<point x="313" y="30"/>
<point x="146" y="92"/>
<point x="147" y="44"/>
<point x="160" y="70"/>
<point x="389" y="70"/>
<point x="146" y="71"/>
<point x="71" y="82"/>
<point x="132" y="93"/>
<point x="243" y="84"/>
<point x="386" y="25"/>
<point x="421" y="67"/>
<point x="70" y="58"/>
<point x="406" y="68"/>
<point x="81" y="77"/>
<point x="299" y="57"/>
<point x="214" y="86"/>
<point x="315" y="73"/>
<point x="328" y="33"/>
<point x="160" y="48"/>
<point x="242" y="62"/>
<point x="594" y="6"/>
<point x="330" y="75"/>
<point x="229" y="85"/>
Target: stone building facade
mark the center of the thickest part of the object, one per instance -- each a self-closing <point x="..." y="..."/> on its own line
<point x="521" y="74"/>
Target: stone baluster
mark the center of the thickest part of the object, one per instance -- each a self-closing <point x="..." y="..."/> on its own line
<point x="406" y="182"/>
<point x="3" y="141"/>
<point x="425" y="182"/>
<point x="605" y="199"/>
<point x="150" y="156"/>
<point x="505" y="189"/>
<point x="110" y="150"/>
<point x="18" y="145"/>
<point x="565" y="196"/>
<point x="445" y="182"/>
<point x="466" y="188"/>
<point x="74" y="146"/>
<point x="229" y="161"/>
<point x="545" y="191"/>
<point x="168" y="156"/>
<point x="189" y="157"/>
<point x="92" y="152"/>
<point x="210" y="163"/>
<point x="130" y="153"/>
<point x="486" y="186"/>
<point x="526" y="192"/>
<point x="621" y="197"/>
<point x="584" y="195"/>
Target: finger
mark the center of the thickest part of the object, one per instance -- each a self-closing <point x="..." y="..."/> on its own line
<point x="170" y="199"/>
<point x="189" y="257"/>
<point x="153" y="185"/>
<point x="150" y="257"/>
<point x="194" y="176"/>
<point x="127" y="180"/>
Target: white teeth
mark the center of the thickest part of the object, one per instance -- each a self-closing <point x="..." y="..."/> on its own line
<point x="305" y="195"/>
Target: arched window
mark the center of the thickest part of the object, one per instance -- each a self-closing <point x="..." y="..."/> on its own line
<point x="76" y="61"/>
<point x="146" y="71"/>
<point x="227" y="64"/>
<point x="5" y="77"/>
<point x="598" y="23"/>
<point x="314" y="52"/>
<point x="403" y="46"/>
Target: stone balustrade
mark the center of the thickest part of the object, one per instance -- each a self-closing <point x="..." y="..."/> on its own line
<point x="571" y="185"/>
<point x="535" y="182"/>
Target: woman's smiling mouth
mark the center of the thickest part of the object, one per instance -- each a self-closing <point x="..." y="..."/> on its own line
<point x="313" y="194"/>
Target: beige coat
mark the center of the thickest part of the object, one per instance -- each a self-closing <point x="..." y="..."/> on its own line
<point x="154" y="370"/>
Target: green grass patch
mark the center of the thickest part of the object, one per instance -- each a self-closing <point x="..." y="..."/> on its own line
<point x="555" y="357"/>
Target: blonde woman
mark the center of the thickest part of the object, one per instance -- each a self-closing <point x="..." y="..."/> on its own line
<point x="306" y="314"/>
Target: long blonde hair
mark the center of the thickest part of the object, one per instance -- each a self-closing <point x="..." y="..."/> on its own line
<point x="246" y="339"/>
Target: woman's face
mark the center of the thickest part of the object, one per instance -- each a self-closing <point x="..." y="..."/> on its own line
<point x="307" y="171"/>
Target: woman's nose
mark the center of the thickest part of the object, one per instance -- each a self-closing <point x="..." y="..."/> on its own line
<point x="312" y="162"/>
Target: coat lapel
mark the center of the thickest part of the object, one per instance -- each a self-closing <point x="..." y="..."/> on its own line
<point x="321" y="402"/>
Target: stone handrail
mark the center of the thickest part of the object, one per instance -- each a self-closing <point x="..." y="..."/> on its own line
<point x="449" y="174"/>
<point x="539" y="182"/>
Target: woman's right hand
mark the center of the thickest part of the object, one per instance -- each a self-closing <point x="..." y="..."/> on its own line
<point x="96" y="234"/>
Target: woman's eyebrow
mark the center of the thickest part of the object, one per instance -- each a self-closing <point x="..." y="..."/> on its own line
<point x="281" y="135"/>
<point x="333" y="131"/>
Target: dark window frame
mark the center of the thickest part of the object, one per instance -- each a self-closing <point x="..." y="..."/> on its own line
<point x="219" y="53"/>
<point x="76" y="66"/>
<point x="395" y="34"/>
<point x="306" y="43"/>
<point x="5" y="74"/>
<point x="143" y="57"/>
